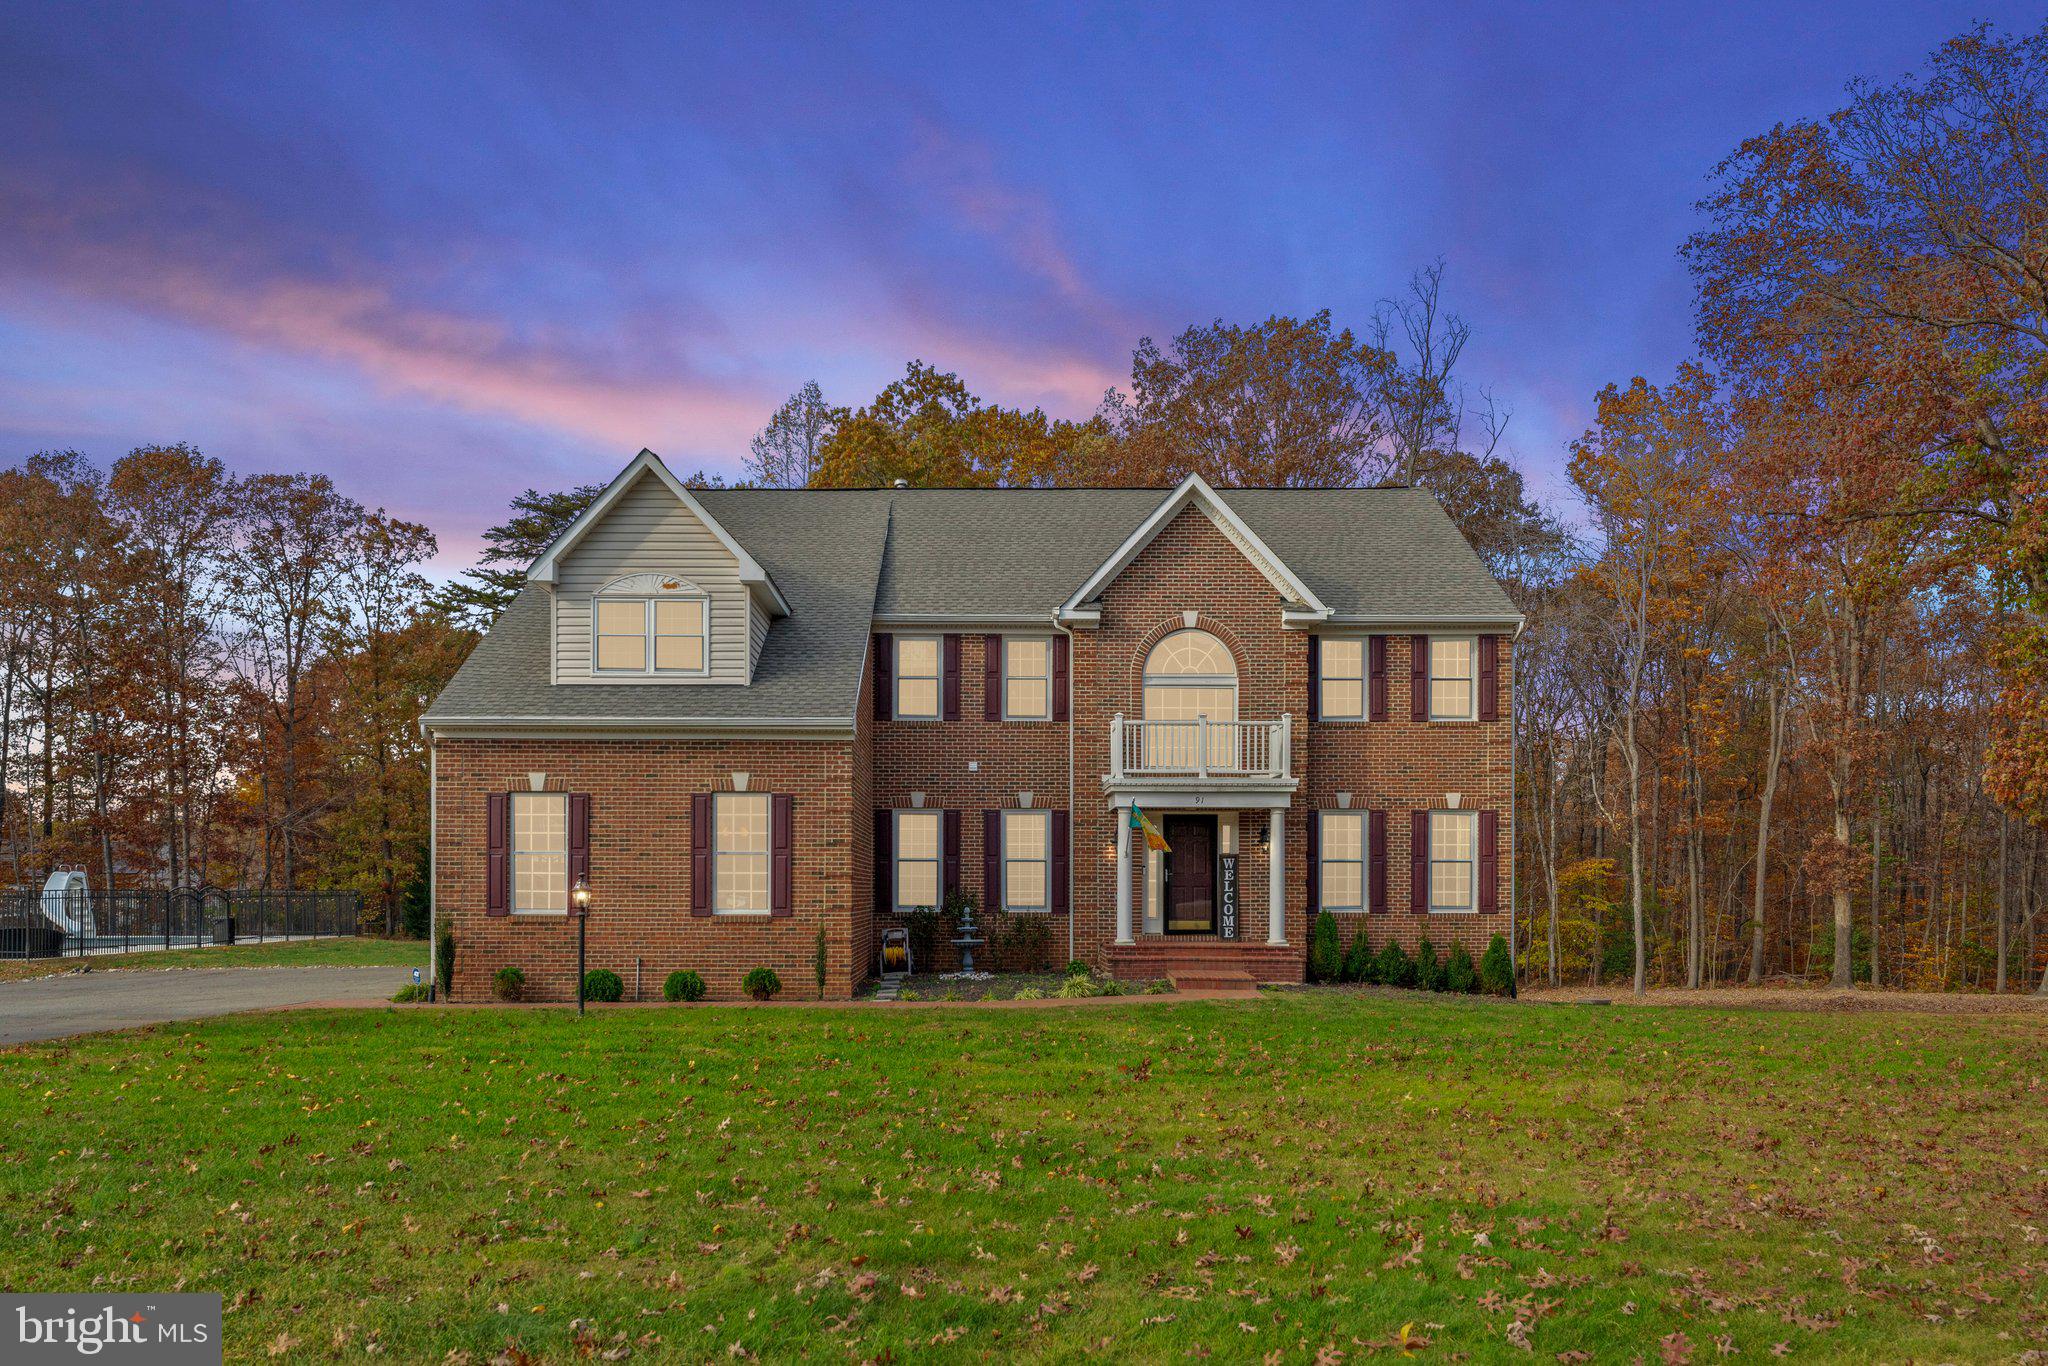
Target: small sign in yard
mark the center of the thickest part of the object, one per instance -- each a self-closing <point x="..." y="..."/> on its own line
<point x="415" y="976"/>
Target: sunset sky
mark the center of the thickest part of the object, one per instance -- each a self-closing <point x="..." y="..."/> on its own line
<point x="444" y="252"/>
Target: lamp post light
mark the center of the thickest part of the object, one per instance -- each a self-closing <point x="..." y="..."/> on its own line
<point x="579" y="897"/>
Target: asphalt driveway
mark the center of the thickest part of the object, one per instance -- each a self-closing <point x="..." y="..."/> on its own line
<point x="85" y="1003"/>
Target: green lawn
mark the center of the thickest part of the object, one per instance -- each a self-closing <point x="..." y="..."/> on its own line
<point x="295" y="953"/>
<point x="1302" y="1172"/>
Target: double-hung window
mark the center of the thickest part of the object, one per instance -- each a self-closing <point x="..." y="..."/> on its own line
<point x="1453" y="860"/>
<point x="651" y="635"/>
<point x="917" y="678"/>
<point x="1027" y="848"/>
<point x="918" y="838"/>
<point x="1027" y="678"/>
<point x="1452" y="691"/>
<point x="740" y="853"/>
<point x="1343" y="669"/>
<point x="540" y="852"/>
<point x="1343" y="854"/>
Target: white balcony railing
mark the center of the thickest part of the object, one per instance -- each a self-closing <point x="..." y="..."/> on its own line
<point x="1200" y="748"/>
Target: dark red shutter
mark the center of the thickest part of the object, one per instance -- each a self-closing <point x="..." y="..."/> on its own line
<point x="949" y="683"/>
<point x="1059" y="677"/>
<point x="1489" y="678"/>
<point x="782" y="855"/>
<point x="1418" y="863"/>
<point x="1376" y="859"/>
<point x="1418" y="678"/>
<point x="950" y="870"/>
<point x="1315" y="860"/>
<point x="885" y="860"/>
<point x="1315" y="690"/>
<point x="885" y="675"/>
<point x="1062" y="860"/>
<point x="1377" y="648"/>
<point x="579" y="841"/>
<point x="1489" y="862"/>
<point x="498" y="854"/>
<point x="991" y="678"/>
<point x="991" y="860"/>
<point x="700" y="853"/>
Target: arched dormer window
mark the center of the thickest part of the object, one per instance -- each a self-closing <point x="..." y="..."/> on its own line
<point x="650" y="625"/>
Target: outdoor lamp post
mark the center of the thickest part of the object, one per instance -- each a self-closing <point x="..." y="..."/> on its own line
<point x="579" y="897"/>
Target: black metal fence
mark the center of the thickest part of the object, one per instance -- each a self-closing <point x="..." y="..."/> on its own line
<point x="36" y="924"/>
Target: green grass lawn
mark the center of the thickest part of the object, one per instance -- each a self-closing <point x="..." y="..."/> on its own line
<point x="295" y="953"/>
<point x="1307" y="1173"/>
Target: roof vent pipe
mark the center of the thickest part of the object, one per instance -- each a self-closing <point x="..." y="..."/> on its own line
<point x="900" y="484"/>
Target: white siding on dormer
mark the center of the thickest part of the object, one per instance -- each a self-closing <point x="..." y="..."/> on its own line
<point x="648" y="531"/>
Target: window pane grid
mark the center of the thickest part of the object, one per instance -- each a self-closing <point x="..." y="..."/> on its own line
<point x="917" y="859"/>
<point x="1453" y="843"/>
<point x="1027" y="679"/>
<point x="540" y="851"/>
<point x="917" y="678"/>
<point x="643" y="635"/>
<point x="1343" y="670"/>
<point x="1027" y="837"/>
<point x="740" y="851"/>
<point x="1451" y="692"/>
<point x="1343" y="860"/>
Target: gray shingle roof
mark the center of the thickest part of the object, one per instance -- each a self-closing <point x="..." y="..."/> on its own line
<point x="842" y="557"/>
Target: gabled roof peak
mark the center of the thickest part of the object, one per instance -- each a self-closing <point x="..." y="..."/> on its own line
<point x="1194" y="489"/>
<point x="547" y="567"/>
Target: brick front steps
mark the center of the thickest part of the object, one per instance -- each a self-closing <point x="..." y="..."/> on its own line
<point x="1207" y="964"/>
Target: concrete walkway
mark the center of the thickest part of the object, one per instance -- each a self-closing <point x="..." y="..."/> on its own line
<point x="86" y="1003"/>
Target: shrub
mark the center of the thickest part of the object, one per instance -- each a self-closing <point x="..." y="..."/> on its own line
<point x="1460" y="973"/>
<point x="909" y="994"/>
<point x="818" y="961"/>
<point x="924" y="924"/>
<point x="1027" y="940"/>
<point x="508" y="984"/>
<point x="1028" y="994"/>
<point x="602" y="984"/>
<point x="1161" y="987"/>
<point x="1076" y="968"/>
<point x="1112" y="987"/>
<point x="683" y="986"/>
<point x="762" y="984"/>
<point x="444" y="961"/>
<point x="411" y="991"/>
<point x="1325" y="961"/>
<point x="1429" y="974"/>
<point x="1358" y="962"/>
<point x="1396" y="968"/>
<point x="1497" y="969"/>
<point x="950" y="994"/>
<point x="1075" y="988"/>
<point x="415" y="914"/>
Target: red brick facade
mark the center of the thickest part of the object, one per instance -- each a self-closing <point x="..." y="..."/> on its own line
<point x="640" y="791"/>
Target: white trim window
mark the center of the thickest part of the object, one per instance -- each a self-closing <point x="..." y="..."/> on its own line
<point x="1453" y="678"/>
<point x="1027" y="860"/>
<point x="650" y="624"/>
<point x="739" y="853"/>
<point x="919" y="835"/>
<point x="1453" y="861"/>
<point x="540" y="853"/>
<point x="1189" y="675"/>
<point x="1342" y="847"/>
<point x="1342" y="662"/>
<point x="1027" y="678"/>
<point x="918" y="665"/>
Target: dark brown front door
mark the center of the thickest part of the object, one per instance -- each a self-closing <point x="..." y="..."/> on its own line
<point x="1190" y="874"/>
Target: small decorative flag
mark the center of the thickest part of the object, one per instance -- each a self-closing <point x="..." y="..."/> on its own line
<point x="1153" y="839"/>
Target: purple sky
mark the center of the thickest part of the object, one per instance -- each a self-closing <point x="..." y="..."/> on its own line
<point x="444" y="252"/>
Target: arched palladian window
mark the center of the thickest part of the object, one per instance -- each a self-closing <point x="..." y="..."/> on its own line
<point x="1189" y="676"/>
<point x="651" y="625"/>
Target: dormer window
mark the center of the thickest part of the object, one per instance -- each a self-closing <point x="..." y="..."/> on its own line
<point x="652" y="625"/>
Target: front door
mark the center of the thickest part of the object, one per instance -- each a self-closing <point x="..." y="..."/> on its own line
<point x="1190" y="874"/>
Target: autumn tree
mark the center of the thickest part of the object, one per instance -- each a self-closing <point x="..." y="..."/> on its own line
<point x="787" y="452"/>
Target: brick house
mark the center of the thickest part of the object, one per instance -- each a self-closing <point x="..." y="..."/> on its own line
<point x="747" y="716"/>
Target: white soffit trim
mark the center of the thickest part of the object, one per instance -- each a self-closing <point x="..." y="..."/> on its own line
<point x="751" y="573"/>
<point x="1194" y="488"/>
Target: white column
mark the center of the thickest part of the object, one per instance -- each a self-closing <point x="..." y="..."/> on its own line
<point x="1123" y="875"/>
<point x="1276" y="905"/>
